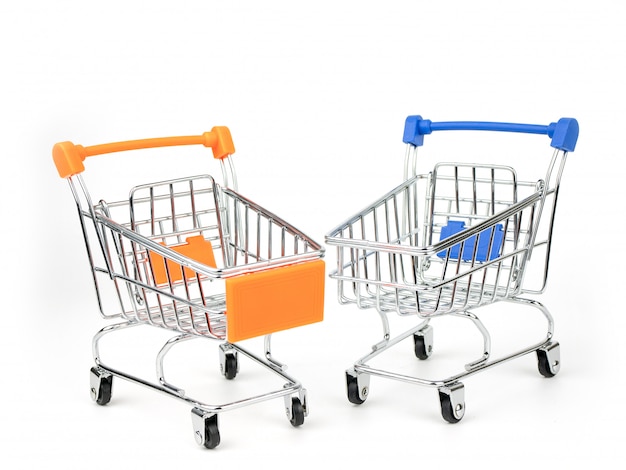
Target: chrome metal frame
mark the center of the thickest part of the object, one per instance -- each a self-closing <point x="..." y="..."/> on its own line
<point x="130" y="234"/>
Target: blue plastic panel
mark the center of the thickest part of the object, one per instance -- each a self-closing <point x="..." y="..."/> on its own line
<point x="484" y="237"/>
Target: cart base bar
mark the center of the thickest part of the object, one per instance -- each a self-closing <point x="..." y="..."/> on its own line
<point x="451" y="389"/>
<point x="204" y="415"/>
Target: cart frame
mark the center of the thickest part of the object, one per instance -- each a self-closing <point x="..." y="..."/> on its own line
<point x="179" y="254"/>
<point x="491" y="227"/>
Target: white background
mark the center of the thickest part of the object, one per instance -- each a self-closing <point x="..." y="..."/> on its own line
<point x="315" y="95"/>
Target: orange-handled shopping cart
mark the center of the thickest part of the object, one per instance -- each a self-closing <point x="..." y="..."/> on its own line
<point x="446" y="243"/>
<point x="201" y="260"/>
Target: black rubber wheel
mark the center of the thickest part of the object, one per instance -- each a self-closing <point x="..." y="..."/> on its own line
<point x="105" y="388"/>
<point x="421" y="351"/>
<point x="297" y="412"/>
<point x="543" y="364"/>
<point x="446" y="408"/>
<point x="211" y="433"/>
<point x="230" y="366"/>
<point x="353" y="390"/>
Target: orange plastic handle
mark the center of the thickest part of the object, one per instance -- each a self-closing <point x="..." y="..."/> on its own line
<point x="69" y="158"/>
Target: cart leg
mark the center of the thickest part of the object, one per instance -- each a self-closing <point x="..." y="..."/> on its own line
<point x="205" y="428"/>
<point x="358" y="386"/>
<point x="549" y="359"/>
<point x="267" y="342"/>
<point x="101" y="384"/>
<point x="452" y="399"/>
<point x="160" y="359"/>
<point x="486" y="339"/>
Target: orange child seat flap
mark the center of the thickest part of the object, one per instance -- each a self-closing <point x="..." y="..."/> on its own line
<point x="195" y="248"/>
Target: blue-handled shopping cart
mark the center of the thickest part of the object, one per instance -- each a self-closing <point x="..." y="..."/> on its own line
<point x="447" y="243"/>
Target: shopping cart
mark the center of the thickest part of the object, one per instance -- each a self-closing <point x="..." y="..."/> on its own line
<point x="446" y="243"/>
<point x="201" y="260"/>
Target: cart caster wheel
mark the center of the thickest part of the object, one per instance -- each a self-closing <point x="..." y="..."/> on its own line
<point x="296" y="416"/>
<point x="101" y="386"/>
<point x="296" y="407"/>
<point x="423" y="340"/>
<point x="230" y="366"/>
<point x="205" y="428"/>
<point x="549" y="359"/>
<point x="452" y="399"/>
<point x="229" y="363"/>
<point x="357" y="387"/>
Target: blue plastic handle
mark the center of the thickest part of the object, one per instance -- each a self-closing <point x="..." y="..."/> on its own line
<point x="564" y="133"/>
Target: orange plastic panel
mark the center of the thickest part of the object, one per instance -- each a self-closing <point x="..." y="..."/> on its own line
<point x="196" y="248"/>
<point x="277" y="299"/>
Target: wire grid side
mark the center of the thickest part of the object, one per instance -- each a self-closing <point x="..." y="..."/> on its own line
<point x="389" y="258"/>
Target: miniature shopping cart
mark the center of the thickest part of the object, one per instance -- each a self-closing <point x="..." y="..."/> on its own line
<point x="446" y="243"/>
<point x="201" y="260"/>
